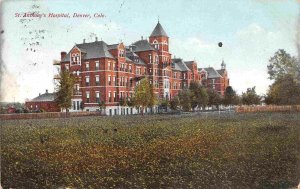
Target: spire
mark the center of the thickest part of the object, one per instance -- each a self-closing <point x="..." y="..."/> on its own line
<point x="158" y="31"/>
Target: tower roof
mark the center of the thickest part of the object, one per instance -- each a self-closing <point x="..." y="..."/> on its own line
<point x="158" y="31"/>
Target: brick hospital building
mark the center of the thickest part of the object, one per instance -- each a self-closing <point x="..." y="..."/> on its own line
<point x="110" y="72"/>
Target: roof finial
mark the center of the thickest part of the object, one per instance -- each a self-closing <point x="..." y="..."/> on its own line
<point x="158" y="19"/>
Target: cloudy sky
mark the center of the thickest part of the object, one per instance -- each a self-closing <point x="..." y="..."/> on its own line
<point x="251" y="31"/>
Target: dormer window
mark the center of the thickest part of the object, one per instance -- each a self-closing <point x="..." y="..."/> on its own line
<point x="75" y="59"/>
<point x="121" y="53"/>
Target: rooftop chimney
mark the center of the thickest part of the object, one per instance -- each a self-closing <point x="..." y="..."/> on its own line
<point x="83" y="40"/>
<point x="142" y="37"/>
<point x="96" y="38"/>
<point x="39" y="94"/>
<point x="63" y="55"/>
<point x="46" y="91"/>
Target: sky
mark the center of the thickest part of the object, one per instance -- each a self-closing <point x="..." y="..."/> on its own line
<point x="251" y="32"/>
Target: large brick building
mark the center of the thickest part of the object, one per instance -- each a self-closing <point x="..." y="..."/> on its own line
<point x="108" y="73"/>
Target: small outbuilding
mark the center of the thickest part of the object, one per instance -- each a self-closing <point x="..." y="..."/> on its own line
<point x="44" y="102"/>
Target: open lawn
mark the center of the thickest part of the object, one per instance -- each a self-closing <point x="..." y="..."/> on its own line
<point x="158" y="151"/>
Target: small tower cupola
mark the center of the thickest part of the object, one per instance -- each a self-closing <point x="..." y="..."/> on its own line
<point x="223" y="65"/>
<point x="159" y="38"/>
<point x="158" y="31"/>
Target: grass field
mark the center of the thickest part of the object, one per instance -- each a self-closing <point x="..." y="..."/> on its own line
<point x="231" y="151"/>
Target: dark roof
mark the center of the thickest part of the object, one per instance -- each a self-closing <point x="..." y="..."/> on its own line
<point x="46" y="97"/>
<point x="158" y="31"/>
<point x="131" y="56"/>
<point x="189" y="62"/>
<point x="113" y="46"/>
<point x="142" y="45"/>
<point x="212" y="73"/>
<point x="97" y="49"/>
<point x="179" y="65"/>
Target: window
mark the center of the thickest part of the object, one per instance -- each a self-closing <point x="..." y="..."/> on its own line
<point x="155" y="44"/>
<point x="109" y="80"/>
<point x="87" y="66"/>
<point x="75" y="58"/>
<point x="156" y="84"/>
<point x="97" y="80"/>
<point x="115" y="81"/>
<point x="115" y="96"/>
<point x="78" y="105"/>
<point x="130" y="80"/>
<point x="67" y="67"/>
<point x="87" y="81"/>
<point x="130" y="68"/>
<point x="97" y="97"/>
<point x="88" y="97"/>
<point x="150" y="58"/>
<point x="109" y="96"/>
<point x="115" y="68"/>
<point x="74" y="105"/>
<point x="77" y="72"/>
<point x="97" y="65"/>
<point x="156" y="59"/>
<point x="121" y="53"/>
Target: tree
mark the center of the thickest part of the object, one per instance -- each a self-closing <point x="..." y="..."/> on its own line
<point x="284" y="70"/>
<point x="174" y="103"/>
<point x="153" y="97"/>
<point x="143" y="95"/>
<point x="284" y="91"/>
<point x="282" y="64"/>
<point x="214" y="98"/>
<point x="230" y="97"/>
<point x="185" y="100"/>
<point x="198" y="94"/>
<point x="250" y="97"/>
<point x="65" y="90"/>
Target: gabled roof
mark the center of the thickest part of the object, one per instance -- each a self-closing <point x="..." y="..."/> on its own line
<point x="212" y="73"/>
<point x="97" y="49"/>
<point x="189" y="64"/>
<point x="221" y="72"/>
<point x="158" y="31"/>
<point x="131" y="56"/>
<point x="142" y="45"/>
<point x="46" y="97"/>
<point x="179" y="65"/>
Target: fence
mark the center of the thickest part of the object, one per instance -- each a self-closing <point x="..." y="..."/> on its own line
<point x="245" y="109"/>
<point x="46" y="115"/>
